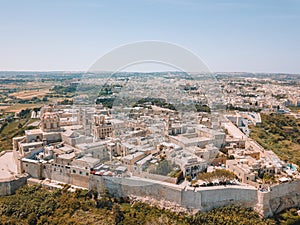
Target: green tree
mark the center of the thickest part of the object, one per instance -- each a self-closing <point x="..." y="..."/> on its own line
<point x="117" y="213"/>
<point x="32" y="219"/>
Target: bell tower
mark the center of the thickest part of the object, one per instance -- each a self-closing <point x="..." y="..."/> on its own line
<point x="50" y="121"/>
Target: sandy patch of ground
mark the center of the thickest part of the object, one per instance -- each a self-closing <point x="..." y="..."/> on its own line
<point x="4" y="106"/>
<point x="8" y="166"/>
<point x="19" y="107"/>
<point x="29" y="94"/>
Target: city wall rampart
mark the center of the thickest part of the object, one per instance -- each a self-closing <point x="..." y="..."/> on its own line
<point x="267" y="203"/>
<point x="9" y="187"/>
<point x="70" y="175"/>
<point x="138" y="187"/>
<point x="279" y="198"/>
<point x="212" y="197"/>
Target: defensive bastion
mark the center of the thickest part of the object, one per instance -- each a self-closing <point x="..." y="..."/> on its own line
<point x="267" y="203"/>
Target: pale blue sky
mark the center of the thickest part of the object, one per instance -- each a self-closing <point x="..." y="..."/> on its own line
<point x="229" y="35"/>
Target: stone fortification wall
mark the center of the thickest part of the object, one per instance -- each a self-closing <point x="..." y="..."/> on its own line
<point x="66" y="174"/>
<point x="9" y="187"/>
<point x="208" y="198"/>
<point x="139" y="187"/>
<point x="74" y="176"/>
<point x="203" y="199"/>
<point x="279" y="198"/>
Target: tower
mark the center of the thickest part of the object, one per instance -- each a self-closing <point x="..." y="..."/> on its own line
<point x="50" y="121"/>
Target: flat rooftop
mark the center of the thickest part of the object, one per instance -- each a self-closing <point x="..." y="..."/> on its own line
<point x="88" y="159"/>
<point x="133" y="156"/>
<point x="190" y="139"/>
<point x="34" y="131"/>
<point x="32" y="144"/>
<point x="85" y="146"/>
<point x="67" y="156"/>
<point x="234" y="131"/>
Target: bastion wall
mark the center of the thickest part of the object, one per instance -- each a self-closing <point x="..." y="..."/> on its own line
<point x="9" y="187"/>
<point x="203" y="199"/>
<point x="268" y="203"/>
<point x="279" y="198"/>
<point x="121" y="187"/>
<point x="208" y="198"/>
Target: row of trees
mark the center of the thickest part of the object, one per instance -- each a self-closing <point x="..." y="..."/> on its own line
<point x="62" y="90"/>
<point x="155" y="101"/>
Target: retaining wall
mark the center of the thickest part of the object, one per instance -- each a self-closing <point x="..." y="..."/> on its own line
<point x="279" y="198"/>
<point x="9" y="187"/>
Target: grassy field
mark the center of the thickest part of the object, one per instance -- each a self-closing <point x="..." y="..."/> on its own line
<point x="13" y="129"/>
<point x="29" y="94"/>
<point x="19" y="107"/>
<point x="281" y="134"/>
<point x="2" y="107"/>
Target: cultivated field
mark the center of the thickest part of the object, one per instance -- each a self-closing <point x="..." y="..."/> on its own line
<point x="29" y="94"/>
<point x="3" y="107"/>
<point x="19" y="107"/>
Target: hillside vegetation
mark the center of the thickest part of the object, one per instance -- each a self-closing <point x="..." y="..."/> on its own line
<point x="34" y="205"/>
<point x="281" y="134"/>
<point x="14" y="127"/>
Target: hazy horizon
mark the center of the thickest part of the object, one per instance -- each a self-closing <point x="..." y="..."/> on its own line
<point x="228" y="35"/>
